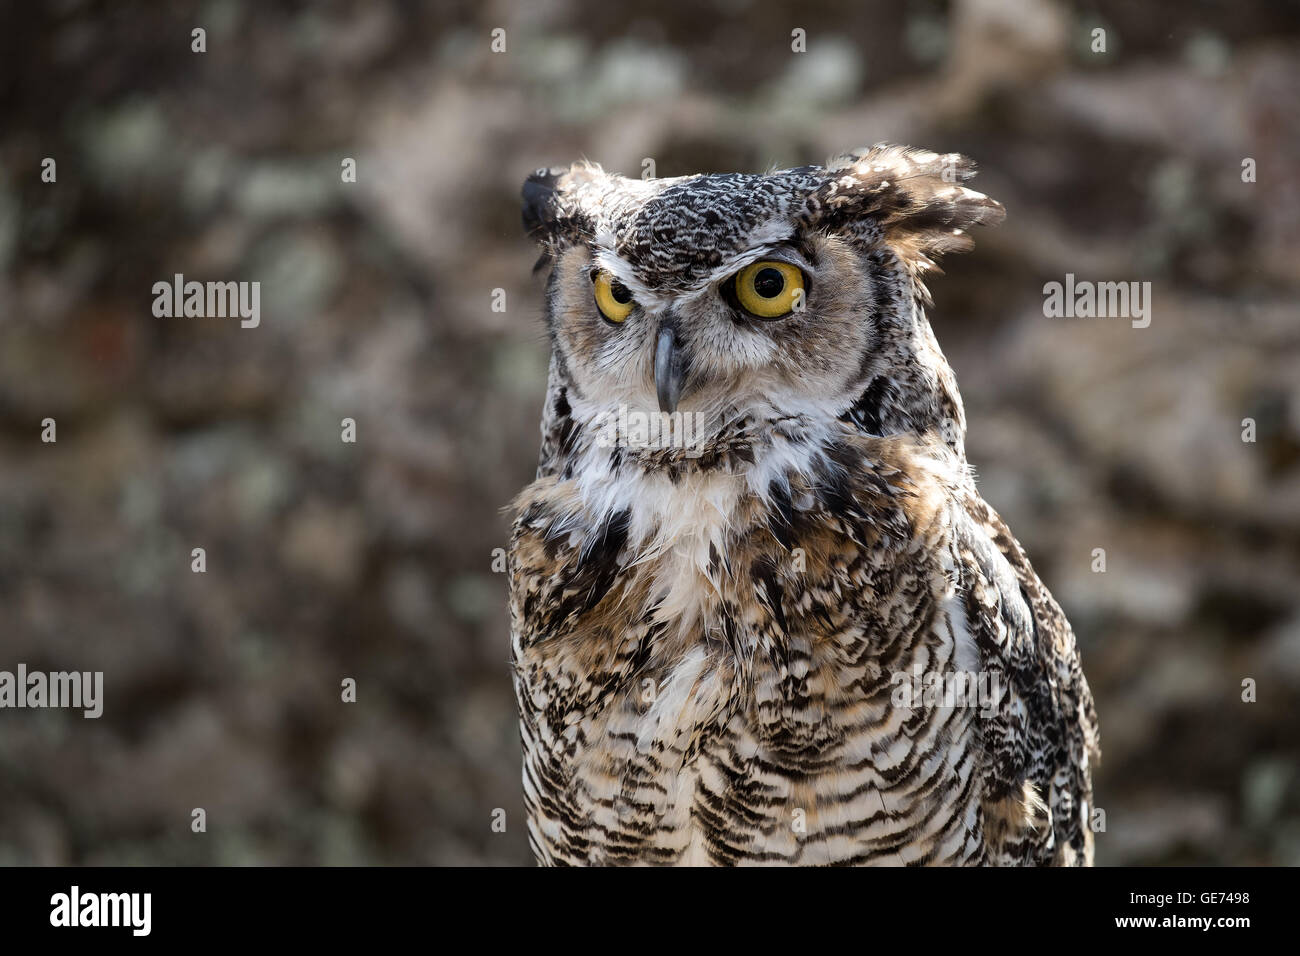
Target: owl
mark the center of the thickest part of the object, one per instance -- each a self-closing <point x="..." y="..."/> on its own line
<point x="759" y="612"/>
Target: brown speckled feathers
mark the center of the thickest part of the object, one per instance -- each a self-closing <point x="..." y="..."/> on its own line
<point x="805" y="638"/>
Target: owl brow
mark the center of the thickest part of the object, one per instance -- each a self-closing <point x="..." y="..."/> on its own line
<point x="790" y="250"/>
<point x="604" y="259"/>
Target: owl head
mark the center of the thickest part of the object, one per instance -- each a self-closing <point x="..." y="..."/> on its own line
<point x="749" y="298"/>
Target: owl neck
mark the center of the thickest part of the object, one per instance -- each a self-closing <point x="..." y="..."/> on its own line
<point x="912" y="390"/>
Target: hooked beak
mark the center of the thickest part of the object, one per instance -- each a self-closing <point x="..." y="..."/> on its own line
<point x="668" y="369"/>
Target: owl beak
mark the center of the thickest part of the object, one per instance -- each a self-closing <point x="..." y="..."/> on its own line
<point x="668" y="369"/>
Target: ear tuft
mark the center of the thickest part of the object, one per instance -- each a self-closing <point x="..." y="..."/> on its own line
<point x="910" y="199"/>
<point x="551" y="210"/>
<point x="540" y="209"/>
<point x="538" y="197"/>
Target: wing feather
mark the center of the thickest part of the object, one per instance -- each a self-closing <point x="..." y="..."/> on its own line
<point x="1040" y="740"/>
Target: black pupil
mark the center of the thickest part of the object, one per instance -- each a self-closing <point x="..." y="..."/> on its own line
<point x="769" y="283"/>
<point x="620" y="293"/>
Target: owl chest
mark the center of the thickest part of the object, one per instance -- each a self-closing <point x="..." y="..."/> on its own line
<point x="725" y="628"/>
<point x="734" y="677"/>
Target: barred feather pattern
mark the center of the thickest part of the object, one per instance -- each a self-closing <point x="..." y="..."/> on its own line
<point x="725" y="657"/>
<point x="767" y="729"/>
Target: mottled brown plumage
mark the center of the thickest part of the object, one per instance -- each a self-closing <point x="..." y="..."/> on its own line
<point x="803" y="638"/>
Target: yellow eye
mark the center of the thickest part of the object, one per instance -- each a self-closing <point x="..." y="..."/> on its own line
<point x="769" y="289"/>
<point x="612" y="298"/>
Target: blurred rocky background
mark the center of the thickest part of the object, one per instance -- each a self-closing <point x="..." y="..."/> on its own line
<point x="373" y="560"/>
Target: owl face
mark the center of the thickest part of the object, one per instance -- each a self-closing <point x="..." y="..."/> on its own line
<point x="779" y="326"/>
<point x="741" y="296"/>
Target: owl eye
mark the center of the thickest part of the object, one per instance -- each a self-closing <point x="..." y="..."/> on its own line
<point x="612" y="298"/>
<point x="769" y="289"/>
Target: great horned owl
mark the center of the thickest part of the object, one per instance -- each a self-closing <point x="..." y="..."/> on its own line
<point x="778" y="625"/>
